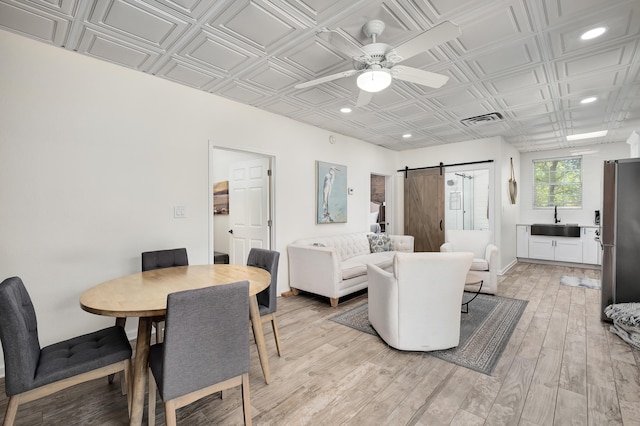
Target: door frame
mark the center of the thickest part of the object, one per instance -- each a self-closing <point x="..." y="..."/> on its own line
<point x="212" y="148"/>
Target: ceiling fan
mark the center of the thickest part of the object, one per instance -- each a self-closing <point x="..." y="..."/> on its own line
<point x="377" y="62"/>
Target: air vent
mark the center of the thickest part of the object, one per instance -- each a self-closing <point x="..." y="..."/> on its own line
<point x="482" y="119"/>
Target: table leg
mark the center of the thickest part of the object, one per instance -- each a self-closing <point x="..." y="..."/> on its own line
<point x="140" y="370"/>
<point x="254" y="313"/>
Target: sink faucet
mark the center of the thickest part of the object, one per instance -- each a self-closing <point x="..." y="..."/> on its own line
<point x="555" y="214"/>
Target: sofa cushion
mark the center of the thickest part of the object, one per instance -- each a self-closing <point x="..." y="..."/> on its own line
<point x="379" y="243"/>
<point x="479" y="265"/>
<point x="357" y="265"/>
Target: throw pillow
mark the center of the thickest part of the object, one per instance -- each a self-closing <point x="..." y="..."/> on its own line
<point x="379" y="243"/>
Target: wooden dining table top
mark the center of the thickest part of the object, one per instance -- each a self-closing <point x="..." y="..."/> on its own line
<point x="144" y="294"/>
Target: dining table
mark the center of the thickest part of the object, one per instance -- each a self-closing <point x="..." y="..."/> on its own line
<point x="144" y="295"/>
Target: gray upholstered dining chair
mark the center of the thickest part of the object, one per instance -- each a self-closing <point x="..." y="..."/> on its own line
<point x="159" y="259"/>
<point x="267" y="298"/>
<point x="205" y="350"/>
<point x="32" y="372"/>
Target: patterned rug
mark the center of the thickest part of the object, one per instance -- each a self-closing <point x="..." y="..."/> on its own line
<point x="484" y="331"/>
<point x="580" y="282"/>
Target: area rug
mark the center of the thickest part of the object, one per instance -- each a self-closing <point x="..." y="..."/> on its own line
<point x="580" y="282"/>
<point x="484" y="331"/>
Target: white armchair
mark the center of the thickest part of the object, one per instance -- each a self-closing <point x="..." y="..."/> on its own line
<point x="417" y="306"/>
<point x="485" y="256"/>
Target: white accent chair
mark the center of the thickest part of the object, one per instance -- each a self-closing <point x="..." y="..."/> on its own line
<point x="417" y="306"/>
<point x="485" y="256"/>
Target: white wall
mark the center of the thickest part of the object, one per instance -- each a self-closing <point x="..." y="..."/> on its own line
<point x="93" y="157"/>
<point x="593" y="158"/>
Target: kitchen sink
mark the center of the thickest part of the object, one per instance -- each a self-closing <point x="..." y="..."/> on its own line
<point x="556" y="230"/>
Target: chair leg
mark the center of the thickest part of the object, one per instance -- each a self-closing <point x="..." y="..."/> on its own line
<point x="159" y="326"/>
<point x="152" y="399"/>
<point x="276" y="335"/>
<point x="126" y="383"/>
<point x="170" y="413"/>
<point x="12" y="410"/>
<point x="121" y="322"/>
<point x="246" y="400"/>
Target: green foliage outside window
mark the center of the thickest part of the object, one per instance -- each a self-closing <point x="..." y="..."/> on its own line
<point x="557" y="182"/>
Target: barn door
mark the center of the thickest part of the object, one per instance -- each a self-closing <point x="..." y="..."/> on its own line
<point x="424" y="208"/>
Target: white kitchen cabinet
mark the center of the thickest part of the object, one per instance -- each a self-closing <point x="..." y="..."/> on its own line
<point x="541" y="248"/>
<point x="591" y="251"/>
<point x="568" y="249"/>
<point x="522" y="240"/>
<point x="562" y="249"/>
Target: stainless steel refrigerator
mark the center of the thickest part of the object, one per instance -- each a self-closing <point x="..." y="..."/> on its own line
<point x="620" y="232"/>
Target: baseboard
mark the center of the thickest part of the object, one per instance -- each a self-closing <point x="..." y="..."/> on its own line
<point x="506" y="269"/>
<point x="556" y="263"/>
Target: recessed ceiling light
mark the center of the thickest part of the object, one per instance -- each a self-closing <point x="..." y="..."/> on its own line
<point x="407" y="135"/>
<point x="587" y="135"/>
<point x="588" y="100"/>
<point x="596" y="32"/>
<point x="345" y="110"/>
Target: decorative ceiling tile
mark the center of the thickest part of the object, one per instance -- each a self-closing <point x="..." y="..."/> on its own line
<point x="210" y="51"/>
<point x="183" y="73"/>
<point x="138" y="21"/>
<point x="520" y="58"/>
<point x="498" y="24"/>
<point x="65" y="7"/>
<point x="114" y="50"/>
<point x="516" y="81"/>
<point x="39" y="24"/>
<point x="242" y="93"/>
<point x="272" y="77"/>
<point x="584" y="64"/>
<point x="317" y="59"/>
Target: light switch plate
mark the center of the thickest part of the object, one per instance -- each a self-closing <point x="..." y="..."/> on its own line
<point x="179" y="212"/>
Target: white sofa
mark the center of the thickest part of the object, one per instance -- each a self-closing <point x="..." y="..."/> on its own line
<point x="485" y="256"/>
<point x="416" y="307"/>
<point x="335" y="266"/>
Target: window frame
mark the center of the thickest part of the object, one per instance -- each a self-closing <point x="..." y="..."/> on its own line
<point x="534" y="185"/>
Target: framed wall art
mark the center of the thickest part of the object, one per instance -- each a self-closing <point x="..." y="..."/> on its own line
<point x="331" y="193"/>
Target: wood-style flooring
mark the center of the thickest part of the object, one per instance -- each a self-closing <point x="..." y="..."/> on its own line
<point x="561" y="366"/>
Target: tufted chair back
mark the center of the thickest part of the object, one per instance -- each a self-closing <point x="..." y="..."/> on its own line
<point x="19" y="335"/>
<point x="267" y="260"/>
<point x="160" y="259"/>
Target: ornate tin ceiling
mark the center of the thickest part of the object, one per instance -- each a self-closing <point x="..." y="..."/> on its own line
<point x="522" y="59"/>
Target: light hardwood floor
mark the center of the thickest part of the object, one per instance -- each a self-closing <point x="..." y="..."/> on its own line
<point x="561" y="367"/>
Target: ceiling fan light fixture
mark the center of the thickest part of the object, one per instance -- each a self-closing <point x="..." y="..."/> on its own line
<point x="374" y="80"/>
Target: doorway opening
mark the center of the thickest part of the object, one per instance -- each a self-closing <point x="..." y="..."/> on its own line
<point x="241" y="214"/>
<point x="379" y="213"/>
<point x="468" y="197"/>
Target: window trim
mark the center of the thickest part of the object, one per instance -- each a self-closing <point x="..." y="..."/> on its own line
<point x="533" y="181"/>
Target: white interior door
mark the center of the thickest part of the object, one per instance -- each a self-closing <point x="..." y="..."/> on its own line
<point x="248" y="208"/>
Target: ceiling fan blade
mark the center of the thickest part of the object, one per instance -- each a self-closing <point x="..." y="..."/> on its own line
<point x="364" y="98"/>
<point x="415" y="75"/>
<point x="338" y="41"/>
<point x="326" y="79"/>
<point x="435" y="36"/>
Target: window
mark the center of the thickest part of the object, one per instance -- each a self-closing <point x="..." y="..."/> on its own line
<point x="557" y="182"/>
